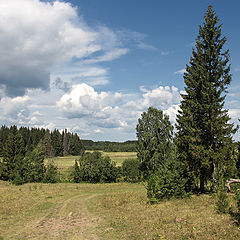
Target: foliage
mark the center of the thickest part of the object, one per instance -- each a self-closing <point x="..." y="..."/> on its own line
<point x="34" y="164"/>
<point x="222" y="204"/>
<point x="51" y="174"/>
<point x="130" y="170"/>
<point x="13" y="156"/>
<point x="204" y="134"/>
<point x="56" y="143"/>
<point x="154" y="144"/>
<point x="76" y="173"/>
<point x="107" y="146"/>
<point x="167" y="182"/>
<point x="94" y="168"/>
<point x="237" y="198"/>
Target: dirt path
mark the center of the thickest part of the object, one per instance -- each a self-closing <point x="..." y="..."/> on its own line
<point x="69" y="219"/>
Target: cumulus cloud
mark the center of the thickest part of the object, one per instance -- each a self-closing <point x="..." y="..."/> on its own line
<point x="38" y="36"/>
<point x="116" y="110"/>
<point x="84" y="100"/>
<point x="12" y="107"/>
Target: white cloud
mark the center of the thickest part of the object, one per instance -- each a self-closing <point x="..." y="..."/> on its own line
<point x="84" y="100"/>
<point x="13" y="106"/>
<point x="109" y="56"/>
<point x="182" y="71"/>
<point x="37" y="37"/>
<point x="116" y="110"/>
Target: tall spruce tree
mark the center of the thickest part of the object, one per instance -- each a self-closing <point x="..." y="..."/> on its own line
<point x="204" y="133"/>
<point x="13" y="157"/>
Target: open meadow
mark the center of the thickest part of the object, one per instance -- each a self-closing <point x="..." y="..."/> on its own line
<point x="68" y="161"/>
<point x="106" y="211"/>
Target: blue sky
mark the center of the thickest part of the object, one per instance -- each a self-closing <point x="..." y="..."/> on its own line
<point x="93" y="66"/>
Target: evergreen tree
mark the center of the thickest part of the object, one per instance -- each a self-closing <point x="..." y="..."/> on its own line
<point x="34" y="164"/>
<point x="4" y="132"/>
<point x="76" y="147"/>
<point x="56" y="140"/>
<point x="51" y="173"/>
<point x="154" y="145"/>
<point x="48" y="144"/>
<point x="65" y="143"/>
<point x="13" y="157"/>
<point x="204" y="135"/>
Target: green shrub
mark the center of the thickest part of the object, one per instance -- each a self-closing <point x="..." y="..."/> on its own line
<point x="51" y="174"/>
<point x="237" y="198"/>
<point x="222" y="205"/>
<point x="167" y="183"/>
<point x="130" y="170"/>
<point x="18" y="180"/>
<point x="94" y="168"/>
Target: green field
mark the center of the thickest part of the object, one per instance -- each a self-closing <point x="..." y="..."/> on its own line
<point x="118" y="157"/>
<point x="106" y="211"/>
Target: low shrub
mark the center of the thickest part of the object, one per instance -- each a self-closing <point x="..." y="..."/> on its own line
<point x="168" y="182"/>
<point x="222" y="205"/>
<point x="130" y="170"/>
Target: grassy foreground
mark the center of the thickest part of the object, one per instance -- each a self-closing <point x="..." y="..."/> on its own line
<point x="106" y="211"/>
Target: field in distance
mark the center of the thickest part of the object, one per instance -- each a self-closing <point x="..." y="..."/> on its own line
<point x="106" y="211"/>
<point x="118" y="157"/>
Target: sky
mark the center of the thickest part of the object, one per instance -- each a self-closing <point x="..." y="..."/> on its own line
<point x="93" y="66"/>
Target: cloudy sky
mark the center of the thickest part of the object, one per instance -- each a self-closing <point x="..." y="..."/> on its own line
<point x="93" y="66"/>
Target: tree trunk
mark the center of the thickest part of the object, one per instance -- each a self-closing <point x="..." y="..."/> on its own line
<point x="231" y="181"/>
<point x="202" y="176"/>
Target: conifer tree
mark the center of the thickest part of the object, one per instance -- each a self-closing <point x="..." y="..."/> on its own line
<point x="48" y="144"/>
<point x="204" y="134"/>
<point x="65" y="143"/>
<point x="13" y="155"/>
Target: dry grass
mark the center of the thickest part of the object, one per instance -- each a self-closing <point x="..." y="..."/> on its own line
<point x="106" y="211"/>
<point x="68" y="161"/>
<point x="119" y="157"/>
<point x="129" y="217"/>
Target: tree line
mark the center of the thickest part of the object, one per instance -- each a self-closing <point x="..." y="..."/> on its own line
<point x="108" y="146"/>
<point x="23" y="152"/>
<point x="55" y="143"/>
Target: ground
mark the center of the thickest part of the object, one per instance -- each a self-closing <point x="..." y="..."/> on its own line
<point x="106" y="211"/>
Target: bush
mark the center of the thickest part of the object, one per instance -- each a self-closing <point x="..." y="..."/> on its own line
<point x="130" y="170"/>
<point x="222" y="205"/>
<point x="94" y="168"/>
<point x="237" y="198"/>
<point x="166" y="183"/>
<point x="51" y="174"/>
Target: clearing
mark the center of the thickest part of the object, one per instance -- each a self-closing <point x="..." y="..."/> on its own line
<point x="106" y="211"/>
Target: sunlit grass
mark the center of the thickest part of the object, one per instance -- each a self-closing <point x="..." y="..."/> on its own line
<point x="107" y="211"/>
<point x="68" y="161"/>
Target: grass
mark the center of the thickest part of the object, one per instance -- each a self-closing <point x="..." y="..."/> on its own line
<point x="119" y="157"/>
<point x="68" y="161"/>
<point x="107" y="211"/>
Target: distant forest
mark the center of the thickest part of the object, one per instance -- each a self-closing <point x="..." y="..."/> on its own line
<point x="55" y="143"/>
<point x="61" y="143"/>
<point x="107" y="146"/>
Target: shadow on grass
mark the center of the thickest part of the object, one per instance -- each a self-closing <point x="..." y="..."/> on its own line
<point x="235" y="216"/>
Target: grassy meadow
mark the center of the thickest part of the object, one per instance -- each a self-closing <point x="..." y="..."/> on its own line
<point x="106" y="211"/>
<point x="68" y="161"/>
